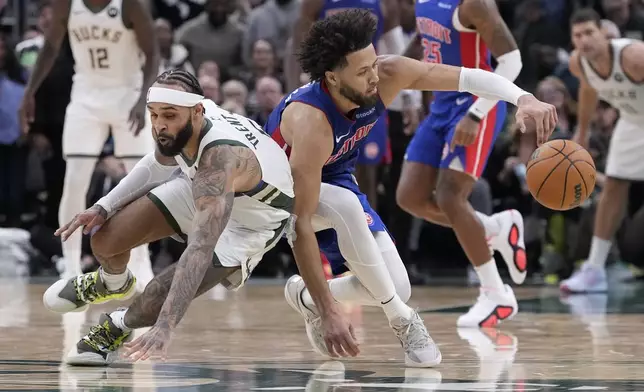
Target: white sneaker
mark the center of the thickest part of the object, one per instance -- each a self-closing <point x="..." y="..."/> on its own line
<point x="293" y="293"/>
<point x="510" y="243"/>
<point x="588" y="279"/>
<point x="420" y="349"/>
<point x="491" y="308"/>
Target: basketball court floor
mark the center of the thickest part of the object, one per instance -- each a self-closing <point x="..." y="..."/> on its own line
<point x="252" y="341"/>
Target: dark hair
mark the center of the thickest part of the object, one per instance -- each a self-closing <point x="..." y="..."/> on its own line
<point x="584" y="15"/>
<point x="331" y="39"/>
<point x="179" y="77"/>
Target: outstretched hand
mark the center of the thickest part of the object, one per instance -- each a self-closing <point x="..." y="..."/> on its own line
<point x="155" y="341"/>
<point x="92" y="218"/>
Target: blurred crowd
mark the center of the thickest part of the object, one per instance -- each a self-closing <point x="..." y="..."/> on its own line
<point x="237" y="49"/>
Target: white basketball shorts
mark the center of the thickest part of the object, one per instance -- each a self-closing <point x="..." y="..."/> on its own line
<point x="625" y="152"/>
<point x="95" y="112"/>
<point x="240" y="245"/>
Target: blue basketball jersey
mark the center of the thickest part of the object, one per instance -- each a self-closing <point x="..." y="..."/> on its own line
<point x="330" y="7"/>
<point x="445" y="43"/>
<point x="348" y="133"/>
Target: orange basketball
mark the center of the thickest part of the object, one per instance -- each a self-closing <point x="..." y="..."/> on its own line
<point x="561" y="174"/>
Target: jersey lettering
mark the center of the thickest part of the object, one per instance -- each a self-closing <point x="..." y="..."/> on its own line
<point x="96" y="33"/>
<point x="245" y="125"/>
<point x="434" y="29"/>
<point x="350" y="143"/>
<point x="432" y="51"/>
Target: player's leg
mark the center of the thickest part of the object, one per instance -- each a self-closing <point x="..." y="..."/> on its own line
<point x="376" y="280"/>
<point x="84" y="135"/>
<point x="416" y="188"/>
<point x="130" y="149"/>
<point x="458" y="174"/>
<point x="624" y="164"/>
<point x="371" y="156"/>
<point x="167" y="210"/>
<point x="238" y="251"/>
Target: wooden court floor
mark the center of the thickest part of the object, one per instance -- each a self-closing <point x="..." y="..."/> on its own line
<point x="252" y="341"/>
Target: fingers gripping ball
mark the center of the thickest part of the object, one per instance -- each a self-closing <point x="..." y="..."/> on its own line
<point x="561" y="175"/>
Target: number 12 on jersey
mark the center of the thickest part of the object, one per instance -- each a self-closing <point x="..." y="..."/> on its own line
<point x="98" y="57"/>
<point x="432" y="51"/>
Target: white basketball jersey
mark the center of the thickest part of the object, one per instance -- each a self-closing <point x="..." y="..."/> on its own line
<point x="617" y="89"/>
<point x="275" y="194"/>
<point x="105" y="50"/>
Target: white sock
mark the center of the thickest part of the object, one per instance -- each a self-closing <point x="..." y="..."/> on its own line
<point x="489" y="276"/>
<point x="490" y="224"/>
<point x="396" y="308"/>
<point x="599" y="249"/>
<point x="113" y="282"/>
<point x="118" y="319"/>
<point x="77" y="179"/>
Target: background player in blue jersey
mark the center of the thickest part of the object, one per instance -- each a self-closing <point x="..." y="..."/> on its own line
<point x="450" y="148"/>
<point x="321" y="127"/>
<point x="388" y="29"/>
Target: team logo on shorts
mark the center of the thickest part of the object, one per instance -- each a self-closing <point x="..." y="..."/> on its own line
<point x="369" y="218"/>
<point x="112" y="12"/>
<point x="371" y="150"/>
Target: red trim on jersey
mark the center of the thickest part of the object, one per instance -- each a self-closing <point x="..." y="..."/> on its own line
<point x="279" y="139"/>
<point x="468" y="51"/>
<point x="476" y="153"/>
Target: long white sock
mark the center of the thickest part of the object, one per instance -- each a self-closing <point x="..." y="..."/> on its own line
<point x="78" y="176"/>
<point x="118" y="318"/>
<point x="113" y="282"/>
<point x="599" y="249"/>
<point x="489" y="276"/>
<point x="490" y="224"/>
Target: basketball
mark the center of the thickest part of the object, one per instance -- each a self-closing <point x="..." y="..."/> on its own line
<point x="560" y="175"/>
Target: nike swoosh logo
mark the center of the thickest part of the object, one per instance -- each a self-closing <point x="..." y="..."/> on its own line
<point x="460" y="101"/>
<point x="337" y="139"/>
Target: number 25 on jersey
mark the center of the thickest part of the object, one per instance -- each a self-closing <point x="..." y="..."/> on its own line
<point x="431" y="51"/>
<point x="98" y="58"/>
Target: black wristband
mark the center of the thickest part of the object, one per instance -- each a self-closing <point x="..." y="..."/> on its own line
<point x="473" y="117"/>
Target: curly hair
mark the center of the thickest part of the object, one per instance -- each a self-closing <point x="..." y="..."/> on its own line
<point x="331" y="39"/>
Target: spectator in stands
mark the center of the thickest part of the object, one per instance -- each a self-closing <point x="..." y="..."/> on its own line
<point x="214" y="36"/>
<point x="210" y="88"/>
<point x="631" y="24"/>
<point x="13" y="153"/>
<point x="27" y="50"/>
<point x="268" y="92"/>
<point x="263" y="63"/>
<point x="209" y="68"/>
<point x="236" y="91"/>
<point x="272" y="21"/>
<point x="173" y="55"/>
<point x="553" y="91"/>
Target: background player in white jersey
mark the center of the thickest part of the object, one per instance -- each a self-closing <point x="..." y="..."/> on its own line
<point x="107" y="38"/>
<point x="613" y="71"/>
<point x="232" y="196"/>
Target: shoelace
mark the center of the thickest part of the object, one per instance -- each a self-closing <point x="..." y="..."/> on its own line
<point x="100" y="338"/>
<point x="85" y="286"/>
<point x="413" y="335"/>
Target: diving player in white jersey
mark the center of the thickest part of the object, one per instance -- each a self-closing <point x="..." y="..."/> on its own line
<point x="613" y="71"/>
<point x="107" y="38"/>
<point x="217" y="181"/>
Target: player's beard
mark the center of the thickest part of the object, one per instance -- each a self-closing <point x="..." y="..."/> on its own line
<point x="178" y="142"/>
<point x="357" y="98"/>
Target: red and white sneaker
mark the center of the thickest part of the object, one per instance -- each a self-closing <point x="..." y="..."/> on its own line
<point x="510" y="243"/>
<point x="490" y="309"/>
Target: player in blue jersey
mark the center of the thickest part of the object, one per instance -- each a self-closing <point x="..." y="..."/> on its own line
<point x="386" y="12"/>
<point x="321" y="127"/>
<point x="450" y="149"/>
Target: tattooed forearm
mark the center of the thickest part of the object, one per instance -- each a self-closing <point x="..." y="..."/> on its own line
<point x="213" y="192"/>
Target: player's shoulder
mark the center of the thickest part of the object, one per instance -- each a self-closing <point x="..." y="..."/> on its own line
<point x="633" y="49"/>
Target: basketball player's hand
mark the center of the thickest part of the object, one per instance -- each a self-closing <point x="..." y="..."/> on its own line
<point x="92" y="218"/>
<point x="534" y="113"/>
<point x="137" y="118"/>
<point x="26" y="112"/>
<point x="465" y="133"/>
<point x="154" y="342"/>
<point x="339" y="336"/>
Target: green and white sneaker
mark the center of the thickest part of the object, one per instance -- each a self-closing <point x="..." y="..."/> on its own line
<point x="99" y="347"/>
<point x="75" y="294"/>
